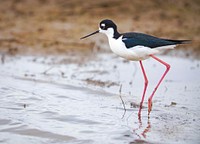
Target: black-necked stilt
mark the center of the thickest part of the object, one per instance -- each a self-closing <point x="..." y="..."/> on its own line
<point x="137" y="47"/>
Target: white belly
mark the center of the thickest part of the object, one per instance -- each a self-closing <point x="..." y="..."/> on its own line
<point x="135" y="54"/>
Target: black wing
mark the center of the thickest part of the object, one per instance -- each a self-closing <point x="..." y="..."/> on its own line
<point x="135" y="39"/>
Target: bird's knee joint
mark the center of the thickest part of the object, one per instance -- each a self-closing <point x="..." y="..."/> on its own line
<point x="168" y="66"/>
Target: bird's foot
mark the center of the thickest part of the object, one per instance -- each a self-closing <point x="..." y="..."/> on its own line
<point x="149" y="106"/>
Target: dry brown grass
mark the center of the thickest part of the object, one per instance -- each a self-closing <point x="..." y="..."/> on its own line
<point x="55" y="26"/>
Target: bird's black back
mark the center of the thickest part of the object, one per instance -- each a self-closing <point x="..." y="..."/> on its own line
<point x="139" y="39"/>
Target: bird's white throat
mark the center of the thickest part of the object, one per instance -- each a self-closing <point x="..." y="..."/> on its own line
<point x="109" y="32"/>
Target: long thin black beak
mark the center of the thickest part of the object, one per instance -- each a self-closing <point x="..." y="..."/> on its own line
<point x="90" y="34"/>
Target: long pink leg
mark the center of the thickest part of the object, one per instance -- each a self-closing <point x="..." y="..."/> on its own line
<point x="145" y="88"/>
<point x="166" y="71"/>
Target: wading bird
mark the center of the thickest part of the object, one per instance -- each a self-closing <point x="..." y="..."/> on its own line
<point x="137" y="47"/>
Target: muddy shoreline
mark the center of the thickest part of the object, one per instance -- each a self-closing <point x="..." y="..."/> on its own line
<point x="51" y="100"/>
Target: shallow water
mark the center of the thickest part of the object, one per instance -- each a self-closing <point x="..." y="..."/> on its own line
<point x="53" y="100"/>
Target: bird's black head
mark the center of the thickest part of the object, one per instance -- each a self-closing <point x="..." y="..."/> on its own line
<point x="105" y="24"/>
<point x="107" y="27"/>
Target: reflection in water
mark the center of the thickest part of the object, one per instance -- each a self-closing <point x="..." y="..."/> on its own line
<point x="140" y="127"/>
<point x="147" y="129"/>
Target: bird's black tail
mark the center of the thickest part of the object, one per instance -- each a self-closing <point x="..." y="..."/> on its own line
<point x="179" y="41"/>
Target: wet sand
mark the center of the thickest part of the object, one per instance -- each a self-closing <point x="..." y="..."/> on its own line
<point x="56" y="88"/>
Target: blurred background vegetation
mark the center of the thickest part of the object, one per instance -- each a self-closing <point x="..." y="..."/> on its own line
<point x="55" y="26"/>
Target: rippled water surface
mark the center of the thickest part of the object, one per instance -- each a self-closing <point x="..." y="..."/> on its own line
<point x="51" y="100"/>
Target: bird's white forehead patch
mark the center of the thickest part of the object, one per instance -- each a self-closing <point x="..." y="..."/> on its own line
<point x="103" y="24"/>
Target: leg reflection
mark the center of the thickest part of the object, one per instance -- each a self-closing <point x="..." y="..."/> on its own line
<point x="147" y="129"/>
<point x="140" y="128"/>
